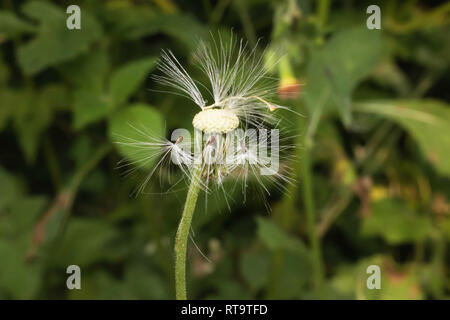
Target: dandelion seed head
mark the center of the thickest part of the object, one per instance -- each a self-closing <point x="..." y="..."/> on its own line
<point x="241" y="94"/>
<point x="215" y="120"/>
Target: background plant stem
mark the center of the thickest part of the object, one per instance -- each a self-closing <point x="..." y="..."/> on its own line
<point x="308" y="199"/>
<point x="182" y="236"/>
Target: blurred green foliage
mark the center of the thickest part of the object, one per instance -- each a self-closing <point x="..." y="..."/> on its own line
<point x="372" y="167"/>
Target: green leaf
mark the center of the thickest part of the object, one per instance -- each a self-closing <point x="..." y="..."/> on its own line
<point x="9" y="188"/>
<point x="54" y="42"/>
<point x="182" y="27"/>
<point x="11" y="26"/>
<point x="18" y="213"/>
<point x="427" y="121"/>
<point x="18" y="278"/>
<point x="91" y="103"/>
<point x="338" y="67"/>
<point x="145" y="284"/>
<point x="255" y="267"/>
<point x="90" y="106"/>
<point x="18" y="216"/>
<point x="24" y="212"/>
<point x="274" y="237"/>
<point x="344" y="282"/>
<point x="136" y="123"/>
<point x="43" y="11"/>
<point x="85" y="242"/>
<point x="87" y="71"/>
<point x="396" y="223"/>
<point x="230" y="289"/>
<point x="128" y="78"/>
<point x="82" y="149"/>
<point x="33" y="113"/>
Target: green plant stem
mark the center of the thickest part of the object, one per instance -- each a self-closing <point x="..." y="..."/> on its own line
<point x="59" y="212"/>
<point x="247" y="23"/>
<point x="332" y="212"/>
<point x="323" y="9"/>
<point x="90" y="164"/>
<point x="218" y="11"/>
<point x="183" y="234"/>
<point x="285" y="218"/>
<point x="308" y="199"/>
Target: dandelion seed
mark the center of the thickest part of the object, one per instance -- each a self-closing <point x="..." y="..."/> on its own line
<point x="228" y="147"/>
<point x="241" y="93"/>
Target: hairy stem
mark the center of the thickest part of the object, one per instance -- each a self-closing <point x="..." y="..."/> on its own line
<point x="183" y="234"/>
